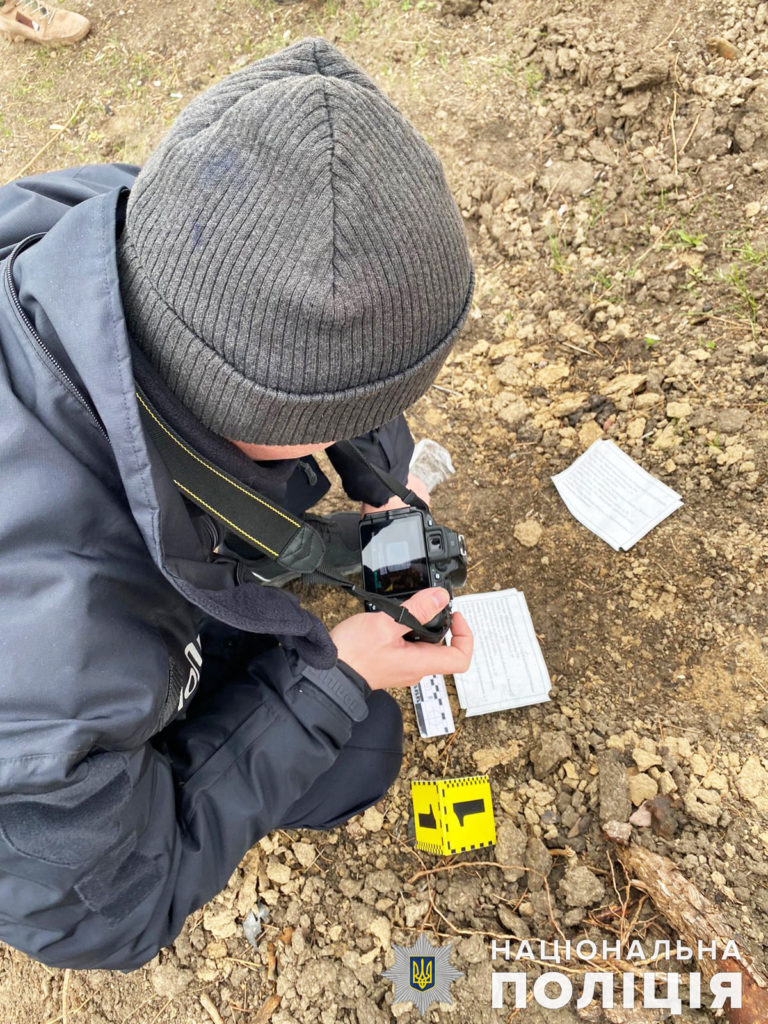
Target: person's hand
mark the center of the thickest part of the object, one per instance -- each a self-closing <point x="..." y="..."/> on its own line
<point x="372" y="644"/>
<point x="413" y="483"/>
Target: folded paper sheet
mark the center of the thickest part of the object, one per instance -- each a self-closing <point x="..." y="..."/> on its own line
<point x="614" y="497"/>
<point x="507" y="668"/>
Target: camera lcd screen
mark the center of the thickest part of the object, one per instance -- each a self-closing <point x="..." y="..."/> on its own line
<point x="394" y="556"/>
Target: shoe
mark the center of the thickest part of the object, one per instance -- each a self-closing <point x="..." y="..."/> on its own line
<point x="340" y="534"/>
<point x="41" y="23"/>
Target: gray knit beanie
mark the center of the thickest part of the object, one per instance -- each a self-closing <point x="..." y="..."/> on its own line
<point x="292" y="262"/>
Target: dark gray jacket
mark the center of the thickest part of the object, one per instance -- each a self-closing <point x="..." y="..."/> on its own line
<point x="111" y="830"/>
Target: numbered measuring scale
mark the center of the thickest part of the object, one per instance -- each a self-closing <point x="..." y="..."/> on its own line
<point x="453" y="815"/>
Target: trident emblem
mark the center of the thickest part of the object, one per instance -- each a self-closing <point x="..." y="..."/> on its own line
<point x="422" y="972"/>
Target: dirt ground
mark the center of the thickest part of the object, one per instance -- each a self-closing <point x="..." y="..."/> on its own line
<point x="610" y="161"/>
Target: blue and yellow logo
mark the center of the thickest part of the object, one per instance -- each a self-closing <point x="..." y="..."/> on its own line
<point x="422" y="972"/>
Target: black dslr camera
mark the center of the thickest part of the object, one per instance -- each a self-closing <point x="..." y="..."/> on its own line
<point x="404" y="551"/>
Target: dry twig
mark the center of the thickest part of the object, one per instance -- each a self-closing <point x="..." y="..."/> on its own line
<point x="697" y="921"/>
<point x="161" y="1011"/>
<point x="669" y="35"/>
<point x="672" y="117"/>
<point x="50" y="142"/>
<point x="65" y="996"/>
<point x="60" y="1018"/>
<point x="690" y="133"/>
<point x="266" y="1009"/>
<point x="134" y="1011"/>
<point x="271" y="962"/>
<point x="207" y="1004"/>
<point x="244" y="963"/>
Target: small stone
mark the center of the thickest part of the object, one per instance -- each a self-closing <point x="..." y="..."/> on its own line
<point x="667" y="438"/>
<point x="636" y="428"/>
<point x="699" y="765"/>
<point x="552" y="749"/>
<point x="663" y="817"/>
<point x="613" y="788"/>
<point x="277" y="872"/>
<point x="382" y="930"/>
<point x="678" y="410"/>
<point x="647" y="400"/>
<point x="645" y="759"/>
<point x="372" y="820"/>
<point x="623" y="385"/>
<point x="721" y="47"/>
<point x="415" y="912"/>
<point x="642" y="787"/>
<point x="642" y="816"/>
<point x="528" y="533"/>
<point x="653" y="71"/>
<point x="511" y="409"/>
<point x="385" y="882"/>
<point x="715" y="780"/>
<point x="170" y="981"/>
<point x="490" y="757"/>
<point x="219" y="921"/>
<point x="538" y="860"/>
<point x="619" y="831"/>
<point x="730" y="421"/>
<point x="679" y="747"/>
<point x="305" y="854"/>
<point x="752" y="784"/>
<point x="667" y="784"/>
<point x="590" y="432"/>
<point x="511" y="848"/>
<point x="751" y="210"/>
<point x="580" y="888"/>
<point x="564" y="177"/>
<point x="551" y="374"/>
<point x="704" y="811"/>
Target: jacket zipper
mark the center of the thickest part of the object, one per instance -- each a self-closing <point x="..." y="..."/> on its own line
<point x="57" y="367"/>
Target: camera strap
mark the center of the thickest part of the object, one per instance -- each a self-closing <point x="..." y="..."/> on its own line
<point x="262" y="523"/>
<point x="406" y="495"/>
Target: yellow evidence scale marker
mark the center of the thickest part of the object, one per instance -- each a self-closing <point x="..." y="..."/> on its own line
<point x="453" y="815"/>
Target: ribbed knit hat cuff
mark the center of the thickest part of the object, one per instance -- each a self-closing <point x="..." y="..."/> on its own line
<point x="238" y="408"/>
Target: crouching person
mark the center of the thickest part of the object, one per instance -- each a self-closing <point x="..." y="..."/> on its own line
<point x="287" y="271"/>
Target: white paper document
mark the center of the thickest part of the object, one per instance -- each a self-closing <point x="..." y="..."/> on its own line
<point x="507" y="668"/>
<point x="614" y="497"/>
<point x="433" y="712"/>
